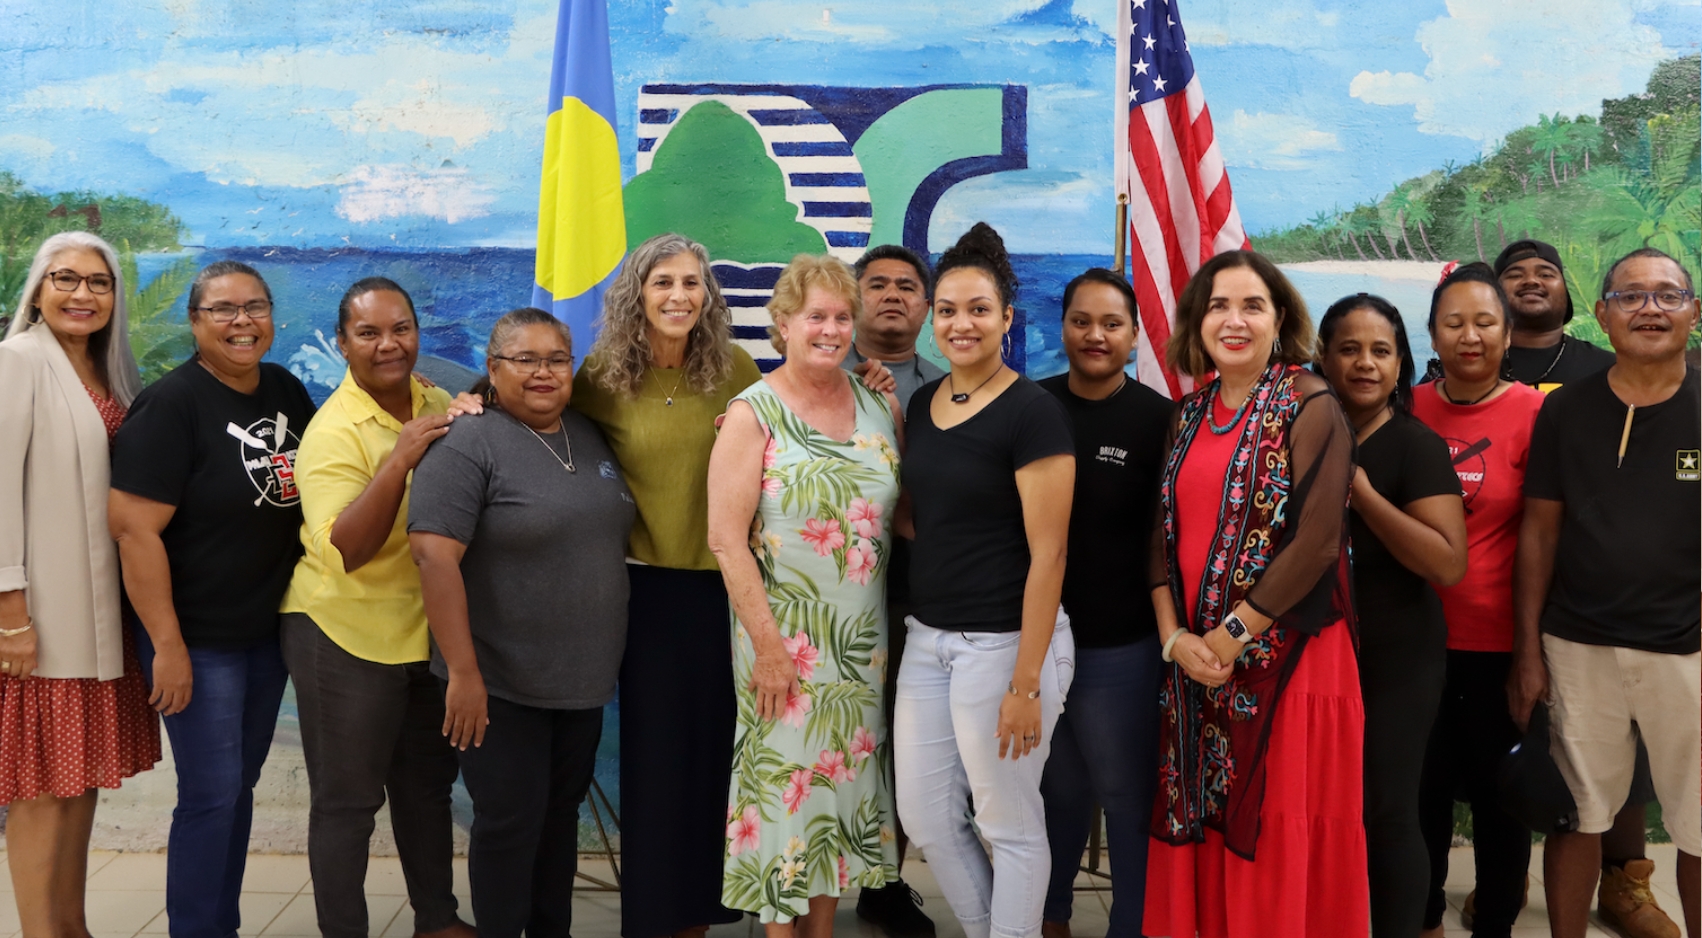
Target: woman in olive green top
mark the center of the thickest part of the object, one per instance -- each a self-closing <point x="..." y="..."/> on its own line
<point x="662" y="370"/>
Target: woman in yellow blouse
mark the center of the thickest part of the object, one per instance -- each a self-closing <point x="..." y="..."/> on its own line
<point x="354" y="627"/>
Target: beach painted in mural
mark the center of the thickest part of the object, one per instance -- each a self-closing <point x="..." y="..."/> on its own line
<point x="324" y="142"/>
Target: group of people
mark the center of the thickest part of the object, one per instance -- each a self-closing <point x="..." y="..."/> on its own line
<point x="1275" y="630"/>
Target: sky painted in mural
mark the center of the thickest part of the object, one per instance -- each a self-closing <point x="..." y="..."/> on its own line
<point x="323" y="122"/>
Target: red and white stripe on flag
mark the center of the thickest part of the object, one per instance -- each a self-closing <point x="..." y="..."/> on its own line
<point x="1181" y="210"/>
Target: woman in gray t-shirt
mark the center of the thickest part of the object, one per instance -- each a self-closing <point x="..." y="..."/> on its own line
<point x="519" y="522"/>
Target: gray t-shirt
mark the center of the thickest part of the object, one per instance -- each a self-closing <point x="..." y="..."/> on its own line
<point x="910" y="375"/>
<point x="545" y="566"/>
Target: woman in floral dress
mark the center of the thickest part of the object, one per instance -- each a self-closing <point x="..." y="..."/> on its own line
<point x="802" y="485"/>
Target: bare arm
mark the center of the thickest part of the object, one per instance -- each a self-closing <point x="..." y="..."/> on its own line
<point x="465" y="704"/>
<point x="1428" y="535"/>
<point x="136" y="524"/>
<point x="1047" y="488"/>
<point x="360" y="529"/>
<point x="1533" y="573"/>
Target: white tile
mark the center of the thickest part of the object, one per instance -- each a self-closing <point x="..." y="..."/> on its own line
<point x="268" y="872"/>
<point x="123" y="911"/>
<point x="130" y="872"/>
<point x="258" y="909"/>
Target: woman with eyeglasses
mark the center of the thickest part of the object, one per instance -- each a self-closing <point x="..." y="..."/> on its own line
<point x="518" y="521"/>
<point x="207" y="516"/>
<point x="74" y="712"/>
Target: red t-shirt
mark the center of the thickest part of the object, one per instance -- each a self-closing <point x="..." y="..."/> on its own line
<point x="1489" y="443"/>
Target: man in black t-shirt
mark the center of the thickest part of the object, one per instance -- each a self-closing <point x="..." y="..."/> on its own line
<point x="1105" y="746"/>
<point x="1607" y="584"/>
<point x="1543" y="355"/>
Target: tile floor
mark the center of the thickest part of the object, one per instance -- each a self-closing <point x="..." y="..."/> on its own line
<point x="127" y="898"/>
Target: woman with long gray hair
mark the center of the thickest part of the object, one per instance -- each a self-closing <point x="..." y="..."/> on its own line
<point x="661" y="372"/>
<point x="73" y="706"/>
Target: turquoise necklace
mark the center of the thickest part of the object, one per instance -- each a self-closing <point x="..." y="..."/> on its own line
<point x="1235" y="421"/>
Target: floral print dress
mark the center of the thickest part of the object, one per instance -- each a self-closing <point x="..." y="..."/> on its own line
<point x="810" y="810"/>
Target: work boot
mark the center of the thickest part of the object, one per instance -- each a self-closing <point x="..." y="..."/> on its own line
<point x="1468" y="911"/>
<point x="897" y="909"/>
<point x="1627" y="905"/>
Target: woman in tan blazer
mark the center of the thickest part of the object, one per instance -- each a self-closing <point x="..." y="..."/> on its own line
<point x="74" y="712"/>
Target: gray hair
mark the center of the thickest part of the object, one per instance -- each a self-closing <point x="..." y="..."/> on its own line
<point x="110" y="347"/>
<point x="623" y="344"/>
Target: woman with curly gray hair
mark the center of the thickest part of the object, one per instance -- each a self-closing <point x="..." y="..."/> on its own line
<point x="659" y="375"/>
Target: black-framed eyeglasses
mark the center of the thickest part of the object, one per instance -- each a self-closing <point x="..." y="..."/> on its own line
<point x="67" y="281"/>
<point x="559" y="364"/>
<point x="227" y="312"/>
<point x="1631" y="301"/>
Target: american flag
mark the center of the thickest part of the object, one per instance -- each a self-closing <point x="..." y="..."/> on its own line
<point x="1181" y="211"/>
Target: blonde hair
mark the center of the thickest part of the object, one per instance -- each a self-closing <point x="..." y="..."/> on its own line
<point x="110" y="347"/>
<point x="823" y="271"/>
<point x="622" y="347"/>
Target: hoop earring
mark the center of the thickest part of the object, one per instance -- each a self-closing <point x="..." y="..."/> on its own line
<point x="1506" y="366"/>
<point x="1005" y="346"/>
<point x="934" y="344"/>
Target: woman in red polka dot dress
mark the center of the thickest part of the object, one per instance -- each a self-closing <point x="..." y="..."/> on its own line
<point x="74" y="714"/>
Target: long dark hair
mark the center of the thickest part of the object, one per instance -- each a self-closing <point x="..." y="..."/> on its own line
<point x="1401" y="396"/>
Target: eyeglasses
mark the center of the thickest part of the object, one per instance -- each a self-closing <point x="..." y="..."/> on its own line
<point x="527" y="364"/>
<point x="67" y="281"/>
<point x="222" y="313"/>
<point x="1631" y="301"/>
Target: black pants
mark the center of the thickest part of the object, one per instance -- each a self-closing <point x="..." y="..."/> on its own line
<point x="1473" y="732"/>
<point x="1402" y="670"/>
<point x="371" y="732"/>
<point x="527" y="781"/>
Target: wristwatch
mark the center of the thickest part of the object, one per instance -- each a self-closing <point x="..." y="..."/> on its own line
<point x="1237" y="629"/>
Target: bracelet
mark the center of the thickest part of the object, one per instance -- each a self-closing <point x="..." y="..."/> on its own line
<point x="1170" y="643"/>
<point x="1033" y="695"/>
<point x="8" y="633"/>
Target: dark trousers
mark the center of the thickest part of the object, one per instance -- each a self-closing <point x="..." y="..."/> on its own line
<point x="219" y="745"/>
<point x="1473" y="732"/>
<point x="527" y="781"/>
<point x="371" y="732"/>
<point x="1105" y="747"/>
<point x="1402" y="671"/>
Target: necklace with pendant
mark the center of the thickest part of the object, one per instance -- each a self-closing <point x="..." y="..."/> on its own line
<point x="568" y="464"/>
<point x="669" y="395"/>
<point x="958" y="397"/>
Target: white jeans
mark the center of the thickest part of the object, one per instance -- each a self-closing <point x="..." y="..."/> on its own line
<point x="950" y="687"/>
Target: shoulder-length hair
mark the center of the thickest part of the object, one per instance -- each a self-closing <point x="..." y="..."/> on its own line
<point x="810" y="270"/>
<point x="1187" y="351"/>
<point x="1401" y="396"/>
<point x="110" y="347"/>
<point x="622" y="347"/>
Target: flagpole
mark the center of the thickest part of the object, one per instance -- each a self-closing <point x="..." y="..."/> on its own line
<point x="1121" y="239"/>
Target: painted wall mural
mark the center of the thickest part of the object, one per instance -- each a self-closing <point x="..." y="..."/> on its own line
<point x="325" y="141"/>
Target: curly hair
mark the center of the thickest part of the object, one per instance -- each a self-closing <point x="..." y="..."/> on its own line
<point x="810" y="270"/>
<point x="622" y="348"/>
<point x="982" y="249"/>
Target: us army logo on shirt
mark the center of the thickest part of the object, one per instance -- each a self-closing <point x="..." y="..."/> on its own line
<point x="1689" y="465"/>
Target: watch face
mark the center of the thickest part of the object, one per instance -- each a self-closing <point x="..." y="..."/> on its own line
<point x="1234" y="626"/>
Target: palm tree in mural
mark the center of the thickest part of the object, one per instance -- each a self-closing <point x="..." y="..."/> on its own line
<point x="1587" y="139"/>
<point x="1661" y="209"/>
<point x="1552" y="136"/>
<point x="1346" y="225"/>
<point x="1325" y="224"/>
<point x="1419" y="212"/>
<point x="1401" y="202"/>
<point x="159" y="341"/>
<point x="1359" y="220"/>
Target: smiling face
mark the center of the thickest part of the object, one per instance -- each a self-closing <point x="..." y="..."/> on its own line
<point x="1650" y="334"/>
<point x="894" y="302"/>
<point x="674" y="295"/>
<point x="1362" y="361"/>
<point x="819" y="334"/>
<point x="1099" y="332"/>
<point x="1536" y="291"/>
<point x="381" y="341"/>
<point x="535" y="395"/>
<point x="1240" y="323"/>
<point x="235" y="347"/>
<point x="969" y="321"/>
<point x="81" y="312"/>
<point x="1470" y="335"/>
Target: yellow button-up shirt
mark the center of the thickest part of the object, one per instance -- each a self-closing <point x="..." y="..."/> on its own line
<point x="374" y="613"/>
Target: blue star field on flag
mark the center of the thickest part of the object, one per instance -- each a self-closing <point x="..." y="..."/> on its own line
<point x="1159" y="61"/>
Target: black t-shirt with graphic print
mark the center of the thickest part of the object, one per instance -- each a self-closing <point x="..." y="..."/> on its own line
<point x="1626" y="565"/>
<point x="226" y="461"/>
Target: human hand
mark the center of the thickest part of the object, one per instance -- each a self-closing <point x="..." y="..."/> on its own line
<point x="17" y="652"/>
<point x="174" y="679"/>
<point x="875" y="376"/>
<point x="418" y="434"/>
<point x="774" y="679"/>
<point x="1199" y="661"/>
<point x="1019" y="725"/>
<point x="466" y="403"/>
<point x="424" y="381"/>
<point x="466" y="710"/>
<point x="1361" y="484"/>
<point x="1224" y="646"/>
<point x="1527" y="683"/>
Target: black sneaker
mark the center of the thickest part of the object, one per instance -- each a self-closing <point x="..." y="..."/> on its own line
<point x="897" y="909"/>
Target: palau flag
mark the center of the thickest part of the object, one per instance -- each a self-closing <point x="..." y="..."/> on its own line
<point x="581" y="227"/>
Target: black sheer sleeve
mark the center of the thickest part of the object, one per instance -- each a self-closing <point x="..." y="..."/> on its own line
<point x="1158" y="571"/>
<point x="1297" y="586"/>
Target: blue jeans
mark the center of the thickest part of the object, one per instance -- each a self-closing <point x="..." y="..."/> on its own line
<point x="950" y="688"/>
<point x="219" y="743"/>
<point x="1105" y="748"/>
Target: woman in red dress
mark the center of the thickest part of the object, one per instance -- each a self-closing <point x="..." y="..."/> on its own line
<point x="1257" y="817"/>
<point x="74" y="713"/>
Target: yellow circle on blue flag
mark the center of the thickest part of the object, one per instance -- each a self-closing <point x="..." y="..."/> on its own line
<point x="581" y="227"/>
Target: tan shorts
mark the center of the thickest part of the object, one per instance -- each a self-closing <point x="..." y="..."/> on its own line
<point x="1602" y="698"/>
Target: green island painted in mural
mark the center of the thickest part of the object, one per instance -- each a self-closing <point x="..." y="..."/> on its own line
<point x="1596" y="189"/>
<point x="158" y="336"/>
<point x="714" y="182"/>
